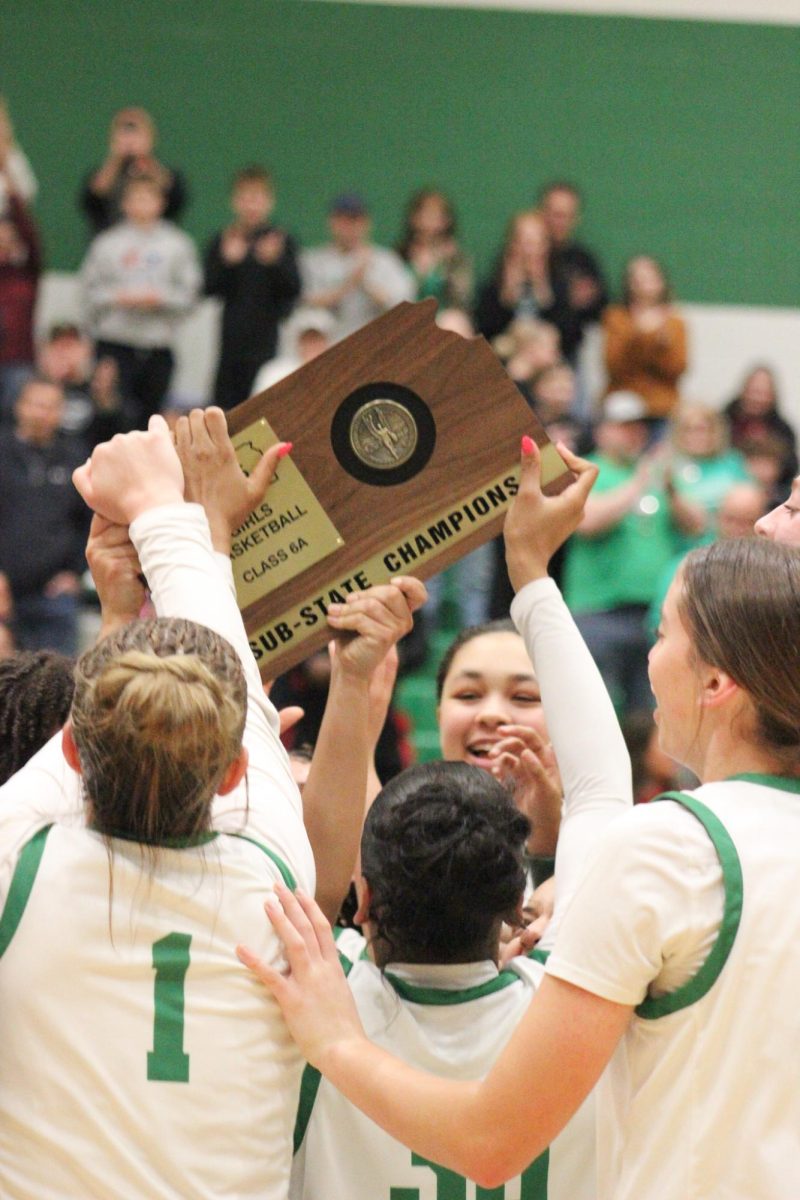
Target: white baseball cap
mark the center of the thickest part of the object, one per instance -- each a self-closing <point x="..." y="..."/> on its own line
<point x="624" y="406"/>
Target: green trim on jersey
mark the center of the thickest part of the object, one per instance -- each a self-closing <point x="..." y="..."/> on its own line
<point x="443" y="996"/>
<point x="202" y="839"/>
<point x="309" y="1085"/>
<point x="338" y="930"/>
<point x="169" y="843"/>
<point x="286" y="875"/>
<point x="21" y="884"/>
<point x="782" y="783"/>
<point x="695" y="988"/>
<point x="542" y="867"/>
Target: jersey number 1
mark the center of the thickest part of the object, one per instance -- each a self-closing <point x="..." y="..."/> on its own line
<point x="167" y="1060"/>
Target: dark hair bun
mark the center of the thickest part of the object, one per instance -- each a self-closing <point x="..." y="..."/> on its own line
<point x="443" y="851"/>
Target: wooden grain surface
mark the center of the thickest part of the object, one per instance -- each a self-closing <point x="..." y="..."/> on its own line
<point x="480" y="417"/>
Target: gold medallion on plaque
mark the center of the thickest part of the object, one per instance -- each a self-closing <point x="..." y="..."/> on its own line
<point x="383" y="434"/>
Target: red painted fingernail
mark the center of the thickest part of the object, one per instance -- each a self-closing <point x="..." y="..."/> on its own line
<point x="285" y="449"/>
<point x="527" y="445"/>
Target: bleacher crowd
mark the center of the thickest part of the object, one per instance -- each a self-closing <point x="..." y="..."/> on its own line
<point x="675" y="472"/>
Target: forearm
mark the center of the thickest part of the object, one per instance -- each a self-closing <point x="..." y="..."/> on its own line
<point x="190" y="584"/>
<point x="618" y="351"/>
<point x="584" y="730"/>
<point x="334" y="794"/>
<point x="544" y="835"/>
<point x="286" y="278"/>
<point x="327" y="298"/>
<point x="26" y="229"/>
<point x="689" y="517"/>
<point x="218" y="275"/>
<point x="403" y="1100"/>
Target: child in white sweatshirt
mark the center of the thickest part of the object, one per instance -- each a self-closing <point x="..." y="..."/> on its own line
<point x="139" y="278"/>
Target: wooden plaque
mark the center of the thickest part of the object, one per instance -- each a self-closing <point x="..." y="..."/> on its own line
<point x="405" y="457"/>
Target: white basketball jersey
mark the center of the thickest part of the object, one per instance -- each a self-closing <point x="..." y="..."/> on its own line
<point x="452" y="1021"/>
<point x="139" y="1057"/>
<point x="702" y="1099"/>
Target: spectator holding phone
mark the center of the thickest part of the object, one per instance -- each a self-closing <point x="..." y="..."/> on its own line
<point x="131" y="152"/>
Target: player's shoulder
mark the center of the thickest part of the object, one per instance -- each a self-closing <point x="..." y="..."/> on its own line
<point x="648" y="834"/>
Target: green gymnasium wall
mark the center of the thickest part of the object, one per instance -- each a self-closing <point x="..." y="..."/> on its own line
<point x="685" y="135"/>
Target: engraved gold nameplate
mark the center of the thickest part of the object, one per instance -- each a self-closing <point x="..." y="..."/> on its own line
<point x="287" y="534"/>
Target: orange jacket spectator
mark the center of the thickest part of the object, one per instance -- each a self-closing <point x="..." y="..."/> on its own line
<point x="645" y="339"/>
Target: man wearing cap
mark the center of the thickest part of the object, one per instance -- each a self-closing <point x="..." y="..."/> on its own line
<point x="628" y="535"/>
<point x="351" y="277"/>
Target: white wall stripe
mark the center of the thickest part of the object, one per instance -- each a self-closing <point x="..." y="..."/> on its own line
<point x="756" y="12"/>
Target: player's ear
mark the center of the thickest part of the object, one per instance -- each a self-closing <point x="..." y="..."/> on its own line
<point x="719" y="688"/>
<point x="364" y="897"/>
<point x="235" y="773"/>
<point x="68" y="747"/>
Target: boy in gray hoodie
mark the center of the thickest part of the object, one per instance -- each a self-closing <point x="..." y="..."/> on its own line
<point x="139" y="278"/>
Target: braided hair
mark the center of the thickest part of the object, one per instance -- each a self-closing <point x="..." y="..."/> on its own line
<point x="158" y="716"/>
<point x="36" y="688"/>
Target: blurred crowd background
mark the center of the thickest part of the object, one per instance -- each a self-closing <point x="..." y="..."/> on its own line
<point x="115" y="303"/>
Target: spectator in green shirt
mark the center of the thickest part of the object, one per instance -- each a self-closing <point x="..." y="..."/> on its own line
<point x="629" y="533"/>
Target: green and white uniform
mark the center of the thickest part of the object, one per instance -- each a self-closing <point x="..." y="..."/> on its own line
<point x="690" y="910"/>
<point x="454" y="1020"/>
<point x="140" y="1058"/>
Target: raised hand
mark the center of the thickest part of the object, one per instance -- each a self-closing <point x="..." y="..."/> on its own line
<point x="269" y="247"/>
<point x="536" y="525"/>
<point x="524" y="756"/>
<point x="528" y="761"/>
<point x="132" y="473"/>
<point x="381" y="689"/>
<point x="213" y="476"/>
<point x="234" y="246"/>
<point x="378" y="617"/>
